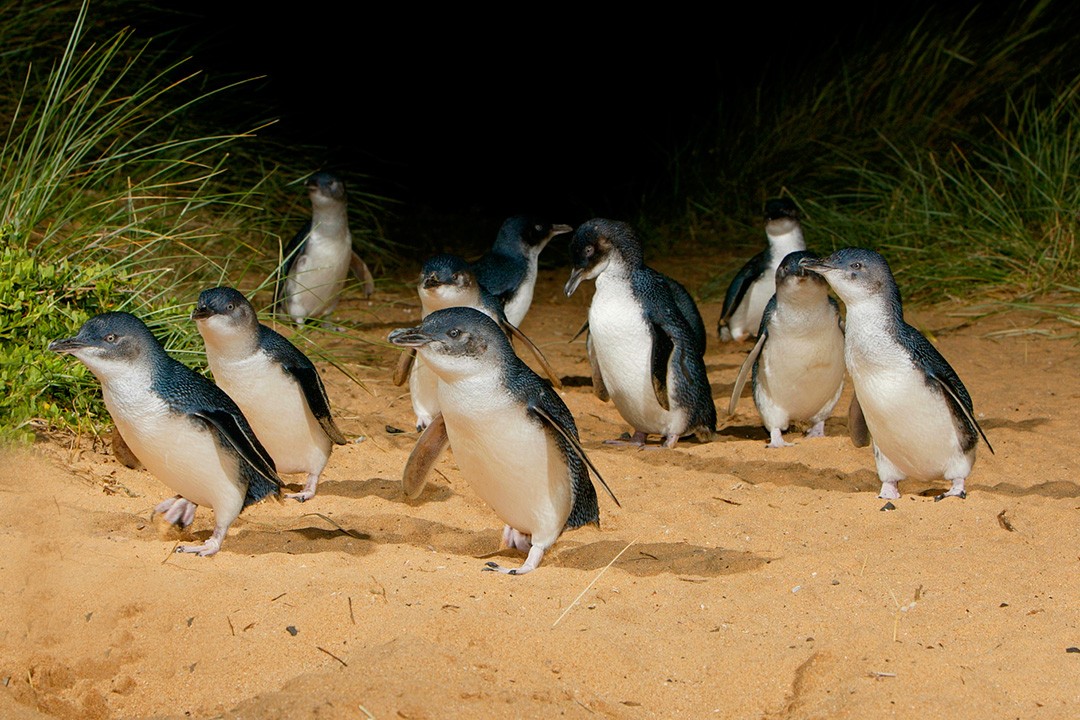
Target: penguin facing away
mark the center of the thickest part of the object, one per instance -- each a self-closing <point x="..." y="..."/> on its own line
<point x="319" y="257"/>
<point x="185" y="430"/>
<point x="448" y="281"/>
<point x="648" y="343"/>
<point x="513" y="437"/>
<point x="508" y="271"/>
<point x="274" y="384"/>
<point x="907" y="396"/>
<point x="797" y="364"/>
<point x="755" y="282"/>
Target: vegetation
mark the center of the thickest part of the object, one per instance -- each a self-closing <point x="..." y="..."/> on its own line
<point x="949" y="146"/>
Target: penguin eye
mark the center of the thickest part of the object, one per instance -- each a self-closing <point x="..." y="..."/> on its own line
<point x="110" y="338"/>
<point x="538" y="228"/>
<point x="455" y="333"/>
<point x="230" y="307"/>
<point x="856" y="265"/>
<point x="589" y="250"/>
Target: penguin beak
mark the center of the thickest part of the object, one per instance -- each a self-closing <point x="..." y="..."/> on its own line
<point x="409" y="337"/>
<point x="815" y="265"/>
<point x="560" y="229"/>
<point x="576" y="276"/>
<point x="67" y="345"/>
<point x="201" y="312"/>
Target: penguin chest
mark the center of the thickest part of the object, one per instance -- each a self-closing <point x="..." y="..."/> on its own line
<point x="518" y="305"/>
<point x="317" y="275"/>
<point x="911" y="422"/>
<point x="508" y="458"/>
<point x="746" y="319"/>
<point x="800" y="373"/>
<point x="179" y="450"/>
<point x="277" y="410"/>
<point x="622" y="342"/>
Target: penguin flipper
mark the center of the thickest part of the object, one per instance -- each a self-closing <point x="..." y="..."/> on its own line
<point x="292" y="251"/>
<point x="742" y="281"/>
<point x="499" y="275"/>
<point x="513" y="332"/>
<point x="662" y="347"/>
<point x="404" y="365"/>
<point x="599" y="389"/>
<point x="583" y="329"/>
<point x="856" y="424"/>
<point x="428" y="448"/>
<point x="360" y="269"/>
<point x="236" y="431"/>
<point x="544" y="415"/>
<point x="315" y="394"/>
<point x="963" y="409"/>
<point x="745" y="371"/>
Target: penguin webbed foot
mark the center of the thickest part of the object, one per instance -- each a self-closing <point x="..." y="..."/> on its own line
<point x="638" y="440"/>
<point x="957" y="490"/>
<point x="536" y="554"/>
<point x="208" y="548"/>
<point x="177" y="511"/>
<point x="308" y="492"/>
<point x="776" y="439"/>
<point x="818" y="430"/>
<point x="889" y="491"/>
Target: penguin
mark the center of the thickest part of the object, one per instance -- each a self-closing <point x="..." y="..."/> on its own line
<point x="319" y="257"/>
<point x="907" y="396"/>
<point x="513" y="437"/>
<point x="448" y="281"/>
<point x="648" y="343"/>
<point x="276" y="386"/>
<point x="755" y="282"/>
<point x="508" y="270"/>
<point x="797" y="363"/>
<point x="184" y="429"/>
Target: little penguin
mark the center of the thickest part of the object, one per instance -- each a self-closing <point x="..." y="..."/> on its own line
<point x="276" y="386"/>
<point x="798" y="361"/>
<point x="184" y="429"/>
<point x="647" y="337"/>
<point x="448" y="281"/>
<point x="508" y="270"/>
<point x="907" y="396"/>
<point x="755" y="282"/>
<point x="320" y="256"/>
<point x="513" y="437"/>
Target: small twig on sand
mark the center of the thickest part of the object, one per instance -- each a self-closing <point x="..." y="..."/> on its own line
<point x="343" y="663"/>
<point x="602" y="571"/>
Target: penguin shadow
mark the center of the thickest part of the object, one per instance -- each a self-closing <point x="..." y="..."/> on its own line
<point x="381" y="488"/>
<point x="576" y="381"/>
<point x="1029" y="425"/>
<point x="744" y="432"/>
<point x="649" y="559"/>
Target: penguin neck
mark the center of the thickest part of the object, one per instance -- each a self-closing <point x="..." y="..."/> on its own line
<point x="617" y="270"/>
<point x="785" y="243"/>
<point x="867" y="319"/>
<point x="330" y="219"/>
<point x="801" y="305"/>
<point x="447" y="296"/>
<point x="231" y="345"/>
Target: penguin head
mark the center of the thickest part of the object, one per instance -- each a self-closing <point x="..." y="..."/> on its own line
<point x="224" y="316"/>
<point x="791" y="273"/>
<point x="111" y="343"/>
<point x="781" y="216"/>
<point x="325" y="189"/>
<point x="527" y="234"/>
<point x="857" y="275"/>
<point x="597" y="245"/>
<point x="455" y="342"/>
<point x="447" y="280"/>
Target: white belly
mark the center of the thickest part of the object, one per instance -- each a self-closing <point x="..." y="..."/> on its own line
<point x="800" y="375"/>
<point x="507" y="459"/>
<point x="275" y="407"/>
<point x="910" y="424"/>
<point x="179" y="453"/>
<point x="746" y="320"/>
<point x="623" y="346"/>
<point x="317" y="277"/>
<point x="518" y="306"/>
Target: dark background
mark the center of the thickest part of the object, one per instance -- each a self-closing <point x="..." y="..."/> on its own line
<point x="568" y="113"/>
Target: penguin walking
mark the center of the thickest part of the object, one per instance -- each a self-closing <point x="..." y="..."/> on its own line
<point x="276" y="386"/>
<point x="907" y="396"/>
<point x="797" y="363"/>
<point x="513" y="437"/>
<point x="319" y="257"/>
<point x="648" y="343"/>
<point x="448" y="281"/>
<point x="183" y="428"/>
<point x="508" y="270"/>
<point x="755" y="282"/>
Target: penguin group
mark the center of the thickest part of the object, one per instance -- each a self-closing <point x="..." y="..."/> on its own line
<point x="222" y="443"/>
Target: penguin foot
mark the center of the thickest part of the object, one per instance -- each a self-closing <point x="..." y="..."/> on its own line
<point x="205" y="550"/>
<point x="536" y="554"/>
<point x="962" y="495"/>
<point x="776" y="439"/>
<point x="638" y="440"/>
<point x="889" y="491"/>
<point x="177" y="511"/>
<point x="817" y="431"/>
<point x="302" y="496"/>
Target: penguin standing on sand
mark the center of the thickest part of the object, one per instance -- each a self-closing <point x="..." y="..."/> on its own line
<point x="319" y="257"/>
<point x="448" y="281"/>
<point x="184" y="429"/>
<point x="513" y="437"/>
<point x="755" y="282"/>
<point x="907" y="396"/>
<point x="648" y="345"/>
<point x="276" y="386"/>
<point x="798" y="361"/>
<point x="508" y="271"/>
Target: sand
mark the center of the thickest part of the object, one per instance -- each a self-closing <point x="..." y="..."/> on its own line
<point x="736" y="581"/>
